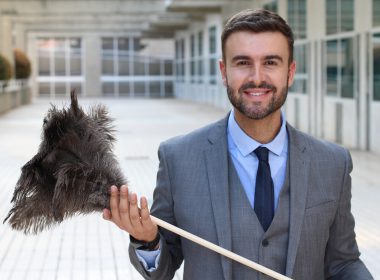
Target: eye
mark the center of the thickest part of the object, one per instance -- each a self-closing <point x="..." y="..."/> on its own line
<point x="242" y="63"/>
<point x="45" y="120"/>
<point x="270" y="62"/>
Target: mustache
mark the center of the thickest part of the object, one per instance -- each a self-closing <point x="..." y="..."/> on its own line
<point x="263" y="85"/>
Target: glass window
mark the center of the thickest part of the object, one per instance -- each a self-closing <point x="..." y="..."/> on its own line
<point x="376" y="67"/>
<point x="200" y="57"/>
<point x="44" y="88"/>
<point x="75" y="57"/>
<point x="340" y="65"/>
<point x="168" y="67"/>
<point x="271" y="6"/>
<point x="123" y="56"/>
<point x="376" y="12"/>
<point x="59" y="58"/>
<point x="107" y="56"/>
<point x="212" y="53"/>
<point x="297" y="17"/>
<point x="179" y="63"/>
<point x="212" y="40"/>
<point x="139" y="65"/>
<point x="123" y="61"/>
<point x="339" y="16"/>
<point x="332" y="68"/>
<point x="347" y="67"/>
<point x="123" y="44"/>
<point x="154" y="67"/>
<point x="192" y="58"/>
<point x="300" y="83"/>
<point x="124" y="89"/>
<point x="107" y="43"/>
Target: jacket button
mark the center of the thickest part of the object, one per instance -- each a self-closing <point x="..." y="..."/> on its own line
<point x="265" y="242"/>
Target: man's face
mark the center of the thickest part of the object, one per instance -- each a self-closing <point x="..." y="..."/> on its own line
<point x="256" y="72"/>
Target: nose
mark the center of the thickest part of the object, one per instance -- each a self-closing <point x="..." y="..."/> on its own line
<point x="256" y="74"/>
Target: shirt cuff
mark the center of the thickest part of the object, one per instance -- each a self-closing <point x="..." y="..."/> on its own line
<point x="149" y="259"/>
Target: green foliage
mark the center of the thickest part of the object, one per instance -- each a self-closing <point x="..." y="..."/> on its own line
<point x="5" y="69"/>
<point x="22" y="65"/>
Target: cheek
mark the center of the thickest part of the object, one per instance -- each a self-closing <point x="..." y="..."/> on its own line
<point x="235" y="78"/>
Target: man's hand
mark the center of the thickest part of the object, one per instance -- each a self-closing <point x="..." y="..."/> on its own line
<point x="127" y="216"/>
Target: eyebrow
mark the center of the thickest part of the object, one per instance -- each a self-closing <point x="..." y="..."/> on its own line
<point x="268" y="57"/>
<point x="276" y="57"/>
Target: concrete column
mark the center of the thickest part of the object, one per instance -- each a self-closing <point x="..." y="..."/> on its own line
<point x="92" y="65"/>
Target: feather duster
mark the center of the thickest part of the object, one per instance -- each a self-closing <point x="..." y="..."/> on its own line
<point x="72" y="171"/>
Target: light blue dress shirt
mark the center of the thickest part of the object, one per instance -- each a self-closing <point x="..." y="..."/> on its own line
<point x="241" y="147"/>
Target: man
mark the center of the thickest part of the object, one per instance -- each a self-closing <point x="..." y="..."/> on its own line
<point x="250" y="183"/>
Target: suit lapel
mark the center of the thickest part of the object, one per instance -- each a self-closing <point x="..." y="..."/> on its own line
<point x="216" y="157"/>
<point x="298" y="160"/>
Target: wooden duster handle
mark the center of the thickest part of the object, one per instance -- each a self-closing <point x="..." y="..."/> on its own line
<point x="219" y="249"/>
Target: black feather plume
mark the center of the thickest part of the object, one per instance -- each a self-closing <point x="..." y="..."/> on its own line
<point x="72" y="171"/>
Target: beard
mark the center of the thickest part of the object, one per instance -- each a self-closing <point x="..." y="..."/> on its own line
<point x="256" y="110"/>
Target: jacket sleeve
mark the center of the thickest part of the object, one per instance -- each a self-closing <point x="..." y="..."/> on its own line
<point x="171" y="252"/>
<point x="342" y="253"/>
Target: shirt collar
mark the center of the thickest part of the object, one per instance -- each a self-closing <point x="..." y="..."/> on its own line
<point x="247" y="145"/>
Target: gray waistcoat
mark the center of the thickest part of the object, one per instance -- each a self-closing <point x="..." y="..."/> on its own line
<point x="248" y="238"/>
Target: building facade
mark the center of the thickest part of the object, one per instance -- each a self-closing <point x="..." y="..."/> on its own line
<point x="335" y="95"/>
<point x="162" y="48"/>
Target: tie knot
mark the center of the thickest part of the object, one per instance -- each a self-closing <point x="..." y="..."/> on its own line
<point x="262" y="153"/>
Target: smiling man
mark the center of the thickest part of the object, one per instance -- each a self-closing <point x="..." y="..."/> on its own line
<point x="250" y="183"/>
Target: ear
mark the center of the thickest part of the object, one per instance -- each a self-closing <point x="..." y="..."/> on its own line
<point x="291" y="73"/>
<point x="222" y="68"/>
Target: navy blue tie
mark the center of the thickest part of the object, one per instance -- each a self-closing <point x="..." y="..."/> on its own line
<point x="264" y="196"/>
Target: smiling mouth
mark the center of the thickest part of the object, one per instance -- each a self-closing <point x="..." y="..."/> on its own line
<point x="257" y="92"/>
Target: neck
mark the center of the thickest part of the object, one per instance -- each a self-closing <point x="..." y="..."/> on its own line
<point x="263" y="130"/>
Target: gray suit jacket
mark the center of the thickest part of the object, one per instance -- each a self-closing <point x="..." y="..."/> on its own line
<point x="192" y="193"/>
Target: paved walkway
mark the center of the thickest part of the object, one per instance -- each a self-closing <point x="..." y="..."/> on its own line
<point x="87" y="247"/>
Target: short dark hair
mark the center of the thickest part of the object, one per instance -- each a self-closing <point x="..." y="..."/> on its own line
<point x="257" y="21"/>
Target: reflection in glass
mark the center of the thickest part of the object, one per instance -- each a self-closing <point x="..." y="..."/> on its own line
<point x="332" y="67"/>
<point x="43" y="64"/>
<point x="75" y="57"/>
<point x="376" y="67"/>
<point x="297" y="17"/>
<point x="124" y="89"/>
<point x="123" y="60"/>
<point x="154" y="88"/>
<point x="154" y="67"/>
<point x="192" y="59"/>
<point x="340" y="67"/>
<point x="339" y="16"/>
<point x="108" y="88"/>
<point x="60" y="88"/>
<point x="376" y="12"/>
<point x="60" y="58"/>
<point x="301" y="76"/>
<point x="347" y="67"/>
<point x="212" y="53"/>
<point x="271" y="6"/>
<point x="347" y="15"/>
<point x="44" y="88"/>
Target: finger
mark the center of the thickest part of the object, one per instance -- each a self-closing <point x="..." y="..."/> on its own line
<point x="114" y="205"/>
<point x="135" y="213"/>
<point x="107" y="214"/>
<point x="124" y="206"/>
<point x="145" y="217"/>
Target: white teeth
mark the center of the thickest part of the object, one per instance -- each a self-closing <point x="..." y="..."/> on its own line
<point x="256" y="93"/>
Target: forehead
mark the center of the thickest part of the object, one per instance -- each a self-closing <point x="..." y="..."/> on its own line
<point x="256" y="44"/>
